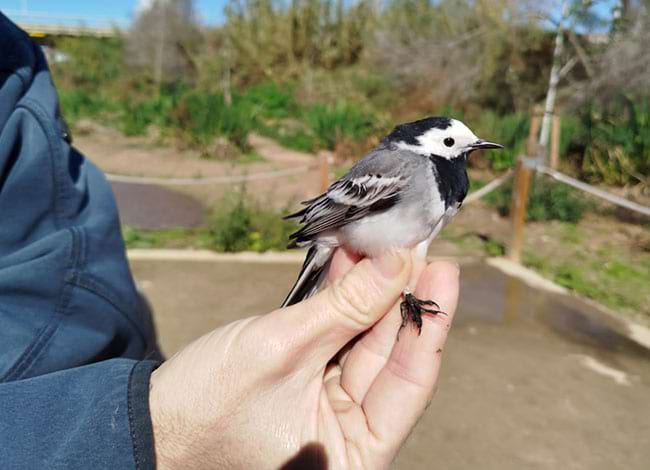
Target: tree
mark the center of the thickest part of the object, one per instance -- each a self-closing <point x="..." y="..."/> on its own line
<point x="624" y="67"/>
<point x="163" y="40"/>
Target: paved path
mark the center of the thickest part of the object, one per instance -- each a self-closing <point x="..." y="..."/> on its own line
<point x="529" y="381"/>
<point x="149" y="206"/>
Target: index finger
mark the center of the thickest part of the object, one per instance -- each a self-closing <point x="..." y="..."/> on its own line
<point x="342" y="261"/>
<point x="404" y="387"/>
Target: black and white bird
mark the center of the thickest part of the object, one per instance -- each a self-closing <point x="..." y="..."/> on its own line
<point x="400" y="195"/>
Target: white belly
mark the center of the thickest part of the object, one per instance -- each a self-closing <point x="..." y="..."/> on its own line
<point x="378" y="233"/>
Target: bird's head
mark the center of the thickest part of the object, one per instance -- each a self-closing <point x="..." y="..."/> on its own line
<point x="438" y="136"/>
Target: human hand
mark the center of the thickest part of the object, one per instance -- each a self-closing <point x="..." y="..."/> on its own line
<point x="302" y="386"/>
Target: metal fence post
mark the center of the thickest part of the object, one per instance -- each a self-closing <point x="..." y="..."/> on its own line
<point x="523" y="174"/>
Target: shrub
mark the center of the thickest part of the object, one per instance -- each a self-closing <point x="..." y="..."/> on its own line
<point x="202" y="116"/>
<point x="294" y="137"/>
<point x="90" y="63"/>
<point x="510" y="130"/>
<point x="136" y="116"/>
<point x="615" y="141"/>
<point x="76" y="104"/>
<point x="547" y="200"/>
<point x="271" y="100"/>
<point x="240" y="225"/>
<point x="309" y="128"/>
<point x="328" y="123"/>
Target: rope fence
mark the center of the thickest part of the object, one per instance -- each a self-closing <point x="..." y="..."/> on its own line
<point x="212" y="180"/>
<point x="609" y="197"/>
<point x="525" y="168"/>
<point x="522" y="173"/>
<point x="488" y="188"/>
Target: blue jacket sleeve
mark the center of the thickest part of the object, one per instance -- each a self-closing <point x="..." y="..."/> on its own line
<point x="94" y="416"/>
<point x="74" y="387"/>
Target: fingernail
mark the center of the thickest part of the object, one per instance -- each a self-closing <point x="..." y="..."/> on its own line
<point x="389" y="264"/>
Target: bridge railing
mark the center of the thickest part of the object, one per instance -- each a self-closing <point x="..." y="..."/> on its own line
<point x="55" y="23"/>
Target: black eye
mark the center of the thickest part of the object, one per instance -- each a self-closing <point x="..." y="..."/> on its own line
<point x="449" y="142"/>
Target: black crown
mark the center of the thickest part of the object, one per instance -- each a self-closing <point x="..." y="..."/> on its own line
<point x="410" y="131"/>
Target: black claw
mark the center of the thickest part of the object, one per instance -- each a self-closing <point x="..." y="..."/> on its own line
<point x="412" y="309"/>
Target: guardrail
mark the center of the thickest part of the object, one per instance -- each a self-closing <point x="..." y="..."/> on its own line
<point x="45" y="23"/>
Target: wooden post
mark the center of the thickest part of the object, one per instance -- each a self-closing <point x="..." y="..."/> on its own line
<point x="523" y="175"/>
<point x="323" y="171"/>
<point x="555" y="141"/>
<point x="535" y="122"/>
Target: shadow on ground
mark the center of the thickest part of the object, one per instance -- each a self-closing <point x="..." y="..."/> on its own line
<point x="529" y="379"/>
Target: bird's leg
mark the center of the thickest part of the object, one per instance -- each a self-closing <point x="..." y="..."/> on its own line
<point x="412" y="309"/>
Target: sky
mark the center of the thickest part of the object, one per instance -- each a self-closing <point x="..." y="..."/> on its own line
<point x="120" y="11"/>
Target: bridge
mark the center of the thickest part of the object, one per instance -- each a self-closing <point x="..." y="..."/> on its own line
<point x="39" y="24"/>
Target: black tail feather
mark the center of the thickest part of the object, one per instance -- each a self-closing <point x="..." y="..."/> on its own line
<point x="312" y="272"/>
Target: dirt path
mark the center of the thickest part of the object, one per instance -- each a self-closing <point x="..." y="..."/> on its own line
<point x="158" y="206"/>
<point x="136" y="156"/>
<point x="118" y="154"/>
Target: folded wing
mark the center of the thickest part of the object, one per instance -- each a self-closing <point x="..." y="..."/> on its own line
<point x="346" y="200"/>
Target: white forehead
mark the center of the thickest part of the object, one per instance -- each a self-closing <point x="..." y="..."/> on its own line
<point x="458" y="129"/>
<point x="432" y="141"/>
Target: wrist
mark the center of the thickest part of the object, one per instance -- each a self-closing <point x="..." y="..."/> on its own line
<point x="140" y="425"/>
<point x="167" y="449"/>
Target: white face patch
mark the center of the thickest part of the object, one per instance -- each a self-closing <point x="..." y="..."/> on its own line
<point x="436" y="141"/>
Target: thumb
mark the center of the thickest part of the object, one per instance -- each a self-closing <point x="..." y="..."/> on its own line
<point x="357" y="301"/>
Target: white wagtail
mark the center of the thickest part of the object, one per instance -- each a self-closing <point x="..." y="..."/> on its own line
<point x="400" y="195"/>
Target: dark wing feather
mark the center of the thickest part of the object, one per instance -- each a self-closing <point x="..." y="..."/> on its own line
<point x="346" y="200"/>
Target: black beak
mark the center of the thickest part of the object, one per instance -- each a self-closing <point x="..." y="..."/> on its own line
<point x="481" y="144"/>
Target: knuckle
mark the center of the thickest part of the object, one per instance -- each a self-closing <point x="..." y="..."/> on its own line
<point x="348" y="300"/>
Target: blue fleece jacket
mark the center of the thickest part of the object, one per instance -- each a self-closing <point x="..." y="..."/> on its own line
<point x="73" y="330"/>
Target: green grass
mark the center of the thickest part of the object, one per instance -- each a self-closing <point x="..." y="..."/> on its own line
<point x="607" y="273"/>
<point x="611" y="275"/>
<point x="472" y="243"/>
<point x="135" y="237"/>
<point x="250" y="157"/>
<point x="616" y="284"/>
